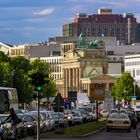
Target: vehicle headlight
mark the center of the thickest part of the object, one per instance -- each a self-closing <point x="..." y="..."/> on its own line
<point x="29" y="125"/>
<point x="69" y="117"/>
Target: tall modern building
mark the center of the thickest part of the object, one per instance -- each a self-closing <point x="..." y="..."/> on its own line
<point x="105" y="23"/>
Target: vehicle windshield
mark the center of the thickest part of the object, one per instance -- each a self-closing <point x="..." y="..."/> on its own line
<point x="118" y="116"/>
<point x="86" y="109"/>
<point x="138" y="113"/>
<point x="27" y="118"/>
<point x="57" y="115"/>
<point x="3" y="118"/>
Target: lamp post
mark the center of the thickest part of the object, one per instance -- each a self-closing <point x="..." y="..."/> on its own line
<point x="134" y="83"/>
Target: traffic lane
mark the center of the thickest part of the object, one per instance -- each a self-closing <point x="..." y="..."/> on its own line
<point x="114" y="135"/>
<point x="103" y="135"/>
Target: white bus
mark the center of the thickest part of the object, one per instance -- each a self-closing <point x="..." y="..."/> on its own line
<point x="8" y="99"/>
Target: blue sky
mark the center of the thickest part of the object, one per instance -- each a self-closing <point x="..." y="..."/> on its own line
<point x="33" y="21"/>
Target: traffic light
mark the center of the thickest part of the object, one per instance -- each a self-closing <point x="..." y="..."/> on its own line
<point x="66" y="99"/>
<point x="38" y="80"/>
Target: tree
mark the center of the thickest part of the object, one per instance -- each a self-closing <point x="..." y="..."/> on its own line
<point x="124" y="89"/>
<point x="20" y="62"/>
<point x="3" y="57"/>
<point x="5" y="74"/>
<point x="20" y="67"/>
<point x="49" y="89"/>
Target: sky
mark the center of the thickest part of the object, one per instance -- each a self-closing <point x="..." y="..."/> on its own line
<point x="34" y="21"/>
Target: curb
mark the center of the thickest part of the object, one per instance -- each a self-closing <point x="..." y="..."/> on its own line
<point x="85" y="135"/>
<point x="94" y="132"/>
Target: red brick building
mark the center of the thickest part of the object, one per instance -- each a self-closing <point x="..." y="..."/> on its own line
<point x="105" y="23"/>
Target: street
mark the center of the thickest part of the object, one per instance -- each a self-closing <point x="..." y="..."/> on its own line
<point x="103" y="135"/>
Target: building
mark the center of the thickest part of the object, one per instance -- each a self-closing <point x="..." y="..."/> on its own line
<point x="55" y="66"/>
<point x="105" y="23"/>
<point x="85" y="68"/>
<point x="5" y="48"/>
<point x="34" y="50"/>
<point x="132" y="65"/>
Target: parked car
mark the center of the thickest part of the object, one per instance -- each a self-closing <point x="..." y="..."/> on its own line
<point x="118" y="120"/>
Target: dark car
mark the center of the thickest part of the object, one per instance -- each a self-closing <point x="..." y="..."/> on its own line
<point x="133" y="118"/>
<point x="6" y="129"/>
<point x="137" y="113"/>
<point x="29" y="124"/>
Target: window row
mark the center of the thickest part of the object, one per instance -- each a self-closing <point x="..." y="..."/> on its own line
<point x="132" y="63"/>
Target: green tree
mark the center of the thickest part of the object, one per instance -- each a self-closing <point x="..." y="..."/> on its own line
<point x="20" y="62"/>
<point x="5" y="74"/>
<point x="124" y="89"/>
<point x="4" y="57"/>
<point x="20" y="67"/>
<point x="49" y="89"/>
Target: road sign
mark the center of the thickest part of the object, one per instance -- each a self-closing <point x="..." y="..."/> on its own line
<point x="133" y="98"/>
<point x="67" y="105"/>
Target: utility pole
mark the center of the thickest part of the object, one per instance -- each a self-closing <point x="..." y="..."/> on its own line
<point x="134" y="88"/>
<point x="97" y="111"/>
<point x="38" y="116"/>
<point x="38" y="80"/>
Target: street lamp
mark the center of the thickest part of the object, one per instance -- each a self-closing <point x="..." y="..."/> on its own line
<point x="134" y="83"/>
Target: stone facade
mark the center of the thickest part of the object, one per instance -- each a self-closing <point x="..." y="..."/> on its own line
<point x="77" y="63"/>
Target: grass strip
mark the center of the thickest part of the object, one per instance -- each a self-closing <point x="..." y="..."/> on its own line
<point x="77" y="130"/>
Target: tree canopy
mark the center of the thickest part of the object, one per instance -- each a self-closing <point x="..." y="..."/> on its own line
<point x="15" y="73"/>
<point x="124" y="89"/>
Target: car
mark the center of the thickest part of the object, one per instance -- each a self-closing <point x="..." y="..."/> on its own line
<point x="59" y="119"/>
<point x="7" y="129"/>
<point x="131" y="114"/>
<point x="78" y="118"/>
<point x="35" y="116"/>
<point x="29" y="124"/>
<point x="118" y="120"/>
<point x="70" y="119"/>
<point x="104" y="113"/>
<point x="137" y="113"/>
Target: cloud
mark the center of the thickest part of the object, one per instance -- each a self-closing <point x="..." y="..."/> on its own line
<point x="43" y="12"/>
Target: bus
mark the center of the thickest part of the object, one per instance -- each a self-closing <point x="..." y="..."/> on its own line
<point x="8" y="99"/>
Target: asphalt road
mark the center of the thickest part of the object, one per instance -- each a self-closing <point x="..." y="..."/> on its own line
<point x="103" y="135"/>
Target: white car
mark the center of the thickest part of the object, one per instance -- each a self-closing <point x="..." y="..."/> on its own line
<point x="118" y="120"/>
<point x="77" y="117"/>
<point x="104" y="113"/>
